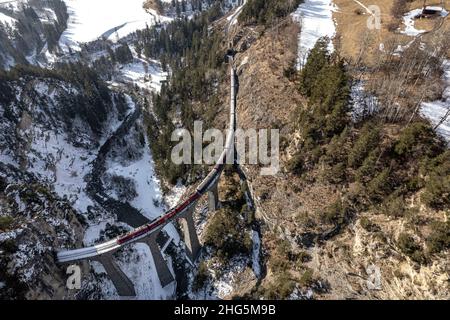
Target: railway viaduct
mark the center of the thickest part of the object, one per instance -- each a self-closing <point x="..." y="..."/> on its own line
<point x="148" y="233"/>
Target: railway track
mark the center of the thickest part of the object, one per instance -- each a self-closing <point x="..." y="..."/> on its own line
<point x="156" y="225"/>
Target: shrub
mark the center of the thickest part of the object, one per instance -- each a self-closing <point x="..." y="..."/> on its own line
<point x="437" y="186"/>
<point x="411" y="248"/>
<point x="3" y="184"/>
<point x="248" y="214"/>
<point x="439" y="239"/>
<point x="125" y="188"/>
<point x="437" y="191"/>
<point x="291" y="71"/>
<point x="368" y="225"/>
<point x="415" y="139"/>
<point x="6" y="222"/>
<point x="336" y="213"/>
<point x="307" y="279"/>
<point x="280" y="289"/>
<point x="201" y="277"/>
<point x="304" y="257"/>
<point x="336" y="174"/>
<point x="367" y="141"/>
<point x="226" y="234"/>
<point x="111" y="232"/>
<point x="393" y="26"/>
<point x="379" y="186"/>
<point x="394" y="206"/>
<point x="295" y="164"/>
<point x="9" y="246"/>
<point x="399" y="8"/>
<point x="368" y="167"/>
<point x="279" y="260"/>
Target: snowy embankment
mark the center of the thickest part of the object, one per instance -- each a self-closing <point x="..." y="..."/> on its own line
<point x="316" y="21"/>
<point x="112" y="19"/>
<point x="437" y="110"/>
<point x="233" y="19"/>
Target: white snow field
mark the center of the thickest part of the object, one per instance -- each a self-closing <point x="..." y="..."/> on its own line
<point x="112" y="19"/>
<point x="146" y="74"/>
<point x="316" y="21"/>
<point x="7" y="19"/>
<point x="435" y="110"/>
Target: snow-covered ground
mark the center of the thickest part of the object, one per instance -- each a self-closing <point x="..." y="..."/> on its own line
<point x="149" y="198"/>
<point x="53" y="158"/>
<point x="436" y="110"/>
<point x="141" y="270"/>
<point x="409" y="19"/>
<point x="136" y="261"/>
<point x="7" y="19"/>
<point x="113" y="19"/>
<point x="145" y="74"/>
<point x="316" y="21"/>
<point x="256" y="264"/>
<point x="223" y="279"/>
<point x="364" y="104"/>
<point x="71" y="165"/>
<point x="12" y="5"/>
<point x="232" y="19"/>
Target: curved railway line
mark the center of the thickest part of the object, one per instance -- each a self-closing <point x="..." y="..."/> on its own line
<point x="156" y="225"/>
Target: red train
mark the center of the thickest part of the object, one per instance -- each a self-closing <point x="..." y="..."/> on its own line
<point x="201" y="190"/>
<point x="139" y="232"/>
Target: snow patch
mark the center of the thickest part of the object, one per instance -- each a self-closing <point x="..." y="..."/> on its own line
<point x="436" y="110"/>
<point x="7" y="19"/>
<point x="145" y="74"/>
<point x="69" y="165"/>
<point x="316" y="21"/>
<point x="92" y="233"/>
<point x="256" y="265"/>
<point x="141" y="270"/>
<point x="118" y="19"/>
<point x="408" y="21"/>
<point x="364" y="104"/>
<point x="234" y="17"/>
